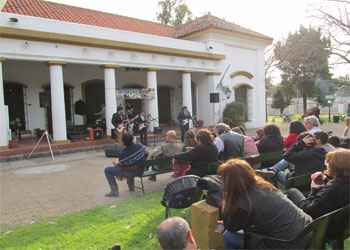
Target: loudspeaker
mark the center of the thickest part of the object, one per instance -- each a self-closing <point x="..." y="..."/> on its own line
<point x="96" y="134"/>
<point x="157" y="130"/>
<point x="214" y="97"/>
<point x="45" y="99"/>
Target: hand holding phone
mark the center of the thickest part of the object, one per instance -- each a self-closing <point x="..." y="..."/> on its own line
<point x="219" y="228"/>
<point x="319" y="180"/>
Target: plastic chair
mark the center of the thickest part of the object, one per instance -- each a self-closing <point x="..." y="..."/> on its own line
<point x="338" y="229"/>
<point x="312" y="237"/>
<point x="181" y="192"/>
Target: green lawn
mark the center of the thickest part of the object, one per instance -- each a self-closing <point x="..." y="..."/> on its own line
<point x="132" y="224"/>
<point x="279" y="119"/>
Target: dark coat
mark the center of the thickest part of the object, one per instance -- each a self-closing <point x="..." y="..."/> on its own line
<point x="306" y="160"/>
<point x="199" y="157"/>
<point x="272" y="214"/>
<point x="327" y="199"/>
<point x="117" y="119"/>
<point x="270" y="144"/>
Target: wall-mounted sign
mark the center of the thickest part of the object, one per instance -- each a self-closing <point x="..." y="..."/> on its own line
<point x="135" y="93"/>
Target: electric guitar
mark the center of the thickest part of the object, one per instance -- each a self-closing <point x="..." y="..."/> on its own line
<point x="187" y="120"/>
<point x="120" y="126"/>
<point x="145" y="124"/>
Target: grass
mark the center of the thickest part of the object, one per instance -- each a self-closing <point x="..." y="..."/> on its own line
<point x="279" y="118"/>
<point x="132" y="224"/>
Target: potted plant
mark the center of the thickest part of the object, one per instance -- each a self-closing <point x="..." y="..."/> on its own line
<point x="15" y="125"/>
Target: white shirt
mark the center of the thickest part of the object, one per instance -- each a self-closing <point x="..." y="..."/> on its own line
<point x="219" y="143"/>
<point x="313" y="130"/>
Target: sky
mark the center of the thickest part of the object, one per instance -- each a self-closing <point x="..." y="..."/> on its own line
<point x="274" y="18"/>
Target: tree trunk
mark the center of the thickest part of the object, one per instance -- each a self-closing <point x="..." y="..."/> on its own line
<point x="304" y="104"/>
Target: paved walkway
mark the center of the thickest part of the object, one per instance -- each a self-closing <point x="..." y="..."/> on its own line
<point x="41" y="188"/>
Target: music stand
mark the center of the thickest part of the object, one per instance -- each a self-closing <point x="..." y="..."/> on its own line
<point x="48" y="137"/>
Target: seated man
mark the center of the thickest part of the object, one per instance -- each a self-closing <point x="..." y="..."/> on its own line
<point x="311" y="124"/>
<point x="167" y="149"/>
<point x="302" y="158"/>
<point x="229" y="143"/>
<point x="175" y="233"/>
<point x="322" y="141"/>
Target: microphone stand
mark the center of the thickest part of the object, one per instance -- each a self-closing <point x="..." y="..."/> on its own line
<point x="154" y="135"/>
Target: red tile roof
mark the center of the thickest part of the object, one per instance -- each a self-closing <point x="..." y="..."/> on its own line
<point x="209" y="21"/>
<point x="61" y="12"/>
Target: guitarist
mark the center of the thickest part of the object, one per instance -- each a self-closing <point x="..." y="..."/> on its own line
<point x="141" y="122"/>
<point x="184" y="117"/>
<point x="118" y="120"/>
<point x="130" y="119"/>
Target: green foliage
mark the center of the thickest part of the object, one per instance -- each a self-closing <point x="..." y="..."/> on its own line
<point x="173" y="12"/>
<point x="15" y="125"/>
<point x="279" y="101"/>
<point x="132" y="224"/>
<point x="302" y="58"/>
<point x="235" y="113"/>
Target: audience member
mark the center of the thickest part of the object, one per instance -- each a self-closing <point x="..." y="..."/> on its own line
<point x="175" y="233"/>
<point x="190" y="140"/>
<point x="321" y="138"/>
<point x="228" y="143"/>
<point x="295" y="128"/>
<point x="254" y="205"/>
<point x="259" y="134"/>
<point x="167" y="149"/>
<point x="271" y="142"/>
<point x="335" y="142"/>
<point x="302" y="158"/>
<point x="250" y="148"/>
<point x="201" y="155"/>
<point x="311" y="124"/>
<point x="347" y="127"/>
<point x="129" y="157"/>
<point x="325" y="198"/>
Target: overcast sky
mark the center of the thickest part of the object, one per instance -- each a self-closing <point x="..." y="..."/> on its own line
<point x="274" y="18"/>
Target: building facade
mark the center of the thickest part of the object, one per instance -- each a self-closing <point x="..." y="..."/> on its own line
<point x="78" y="54"/>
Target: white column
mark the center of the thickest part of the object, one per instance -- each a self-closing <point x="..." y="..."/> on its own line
<point x="57" y="101"/>
<point x="152" y="105"/>
<point x="213" y="108"/>
<point x="186" y="90"/>
<point x="110" y="95"/>
<point x="3" y="112"/>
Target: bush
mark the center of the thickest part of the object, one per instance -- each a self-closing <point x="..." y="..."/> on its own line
<point x="235" y="114"/>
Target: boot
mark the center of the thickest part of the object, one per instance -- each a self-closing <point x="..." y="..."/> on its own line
<point x="131" y="184"/>
<point x="114" y="188"/>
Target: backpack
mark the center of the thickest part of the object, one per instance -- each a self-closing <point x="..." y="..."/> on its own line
<point x="181" y="192"/>
<point x="215" y="189"/>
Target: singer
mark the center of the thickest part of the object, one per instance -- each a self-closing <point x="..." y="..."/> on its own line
<point x="142" y="126"/>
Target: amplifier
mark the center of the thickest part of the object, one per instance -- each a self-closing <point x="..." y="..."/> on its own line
<point x="96" y="134"/>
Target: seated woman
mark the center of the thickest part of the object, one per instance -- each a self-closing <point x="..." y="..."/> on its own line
<point x="190" y="140"/>
<point x="201" y="155"/>
<point x="254" y="205"/>
<point x="325" y="198"/>
<point x="129" y="157"/>
<point x="271" y="142"/>
<point x="250" y="148"/>
<point x="295" y="128"/>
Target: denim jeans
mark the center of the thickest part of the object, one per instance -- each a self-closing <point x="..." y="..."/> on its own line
<point x="279" y="168"/>
<point x="112" y="171"/>
<point x="295" y="196"/>
<point x="233" y="240"/>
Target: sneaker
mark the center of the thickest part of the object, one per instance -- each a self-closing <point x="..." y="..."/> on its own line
<point x="265" y="172"/>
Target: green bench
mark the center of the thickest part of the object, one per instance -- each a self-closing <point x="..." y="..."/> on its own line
<point x="252" y="160"/>
<point x="150" y="163"/>
<point x="297" y="181"/>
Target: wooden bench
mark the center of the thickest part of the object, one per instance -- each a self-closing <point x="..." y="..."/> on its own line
<point x="150" y="163"/>
<point x="252" y="160"/>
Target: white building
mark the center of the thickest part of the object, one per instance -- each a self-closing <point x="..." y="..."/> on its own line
<point x="81" y="54"/>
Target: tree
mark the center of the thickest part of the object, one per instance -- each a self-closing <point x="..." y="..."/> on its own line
<point x="282" y="97"/>
<point x="335" y="23"/>
<point x="173" y="12"/>
<point x="302" y="58"/>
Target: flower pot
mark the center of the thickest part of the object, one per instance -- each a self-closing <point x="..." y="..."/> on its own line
<point x="13" y="143"/>
<point x="40" y="133"/>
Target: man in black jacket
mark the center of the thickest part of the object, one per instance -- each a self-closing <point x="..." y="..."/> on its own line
<point x="184" y="120"/>
<point x="118" y="120"/>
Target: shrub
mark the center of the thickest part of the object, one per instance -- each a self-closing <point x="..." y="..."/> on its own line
<point x="235" y="114"/>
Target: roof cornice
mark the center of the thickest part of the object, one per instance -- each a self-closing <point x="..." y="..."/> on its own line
<point x="228" y="33"/>
<point x="42" y="36"/>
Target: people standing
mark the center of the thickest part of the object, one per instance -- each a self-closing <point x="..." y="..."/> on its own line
<point x="184" y="118"/>
<point x="130" y="116"/>
<point x="141" y="123"/>
<point x="102" y="114"/>
<point x="118" y="120"/>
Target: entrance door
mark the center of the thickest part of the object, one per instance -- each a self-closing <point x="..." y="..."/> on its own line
<point x="241" y="94"/>
<point x="94" y="97"/>
<point x="14" y="100"/>
<point x="164" y="105"/>
<point x="135" y="103"/>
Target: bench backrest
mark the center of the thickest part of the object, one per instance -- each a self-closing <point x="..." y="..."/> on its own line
<point x="160" y="161"/>
<point x="298" y="181"/>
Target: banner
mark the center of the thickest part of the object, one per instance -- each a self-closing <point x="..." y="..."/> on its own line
<point x="135" y="93"/>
